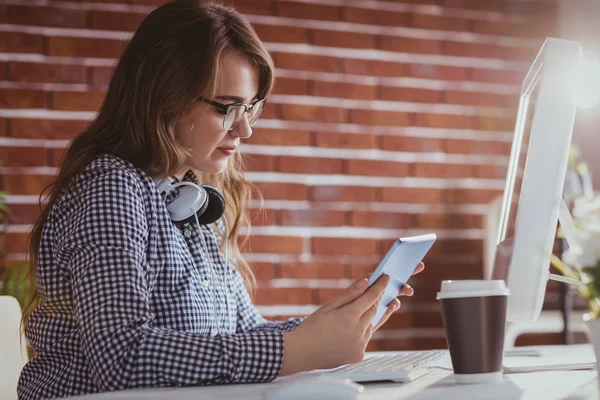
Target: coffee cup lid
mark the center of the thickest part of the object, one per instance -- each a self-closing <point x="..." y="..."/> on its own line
<point x="472" y="288"/>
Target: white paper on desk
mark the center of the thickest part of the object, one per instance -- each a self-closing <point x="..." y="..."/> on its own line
<point x="555" y="355"/>
<point x="551" y="385"/>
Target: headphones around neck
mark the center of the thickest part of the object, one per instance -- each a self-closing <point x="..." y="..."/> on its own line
<point x="203" y="201"/>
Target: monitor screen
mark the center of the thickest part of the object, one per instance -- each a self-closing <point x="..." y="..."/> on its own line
<point x="504" y="249"/>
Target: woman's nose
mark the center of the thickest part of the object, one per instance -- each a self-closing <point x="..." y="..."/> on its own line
<point x="243" y="129"/>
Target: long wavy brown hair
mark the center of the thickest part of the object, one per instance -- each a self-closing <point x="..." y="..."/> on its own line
<point x="171" y="60"/>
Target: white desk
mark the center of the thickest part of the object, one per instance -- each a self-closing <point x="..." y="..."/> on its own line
<point x="438" y="384"/>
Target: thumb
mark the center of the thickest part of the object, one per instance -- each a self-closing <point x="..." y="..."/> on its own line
<point x="349" y="295"/>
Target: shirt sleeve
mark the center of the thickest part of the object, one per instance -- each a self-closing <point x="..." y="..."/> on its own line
<point x="107" y="263"/>
<point x="249" y="318"/>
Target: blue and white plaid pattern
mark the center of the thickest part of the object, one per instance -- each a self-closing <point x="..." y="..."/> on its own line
<point x="127" y="297"/>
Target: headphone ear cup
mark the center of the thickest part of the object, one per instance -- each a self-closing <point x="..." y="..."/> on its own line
<point x="215" y="208"/>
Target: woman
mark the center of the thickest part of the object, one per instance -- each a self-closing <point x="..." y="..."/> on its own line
<point x="126" y="296"/>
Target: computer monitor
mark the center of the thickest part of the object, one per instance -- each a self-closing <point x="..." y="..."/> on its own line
<point x="535" y="178"/>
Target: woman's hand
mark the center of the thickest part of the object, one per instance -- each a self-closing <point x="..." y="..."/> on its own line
<point x="406" y="290"/>
<point x="338" y="332"/>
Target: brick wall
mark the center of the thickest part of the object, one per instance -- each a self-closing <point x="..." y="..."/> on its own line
<point x="389" y="119"/>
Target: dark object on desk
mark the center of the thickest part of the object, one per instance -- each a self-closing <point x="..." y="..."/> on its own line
<point x="474" y="320"/>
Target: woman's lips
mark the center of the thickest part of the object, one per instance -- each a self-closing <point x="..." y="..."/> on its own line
<point x="228" y="151"/>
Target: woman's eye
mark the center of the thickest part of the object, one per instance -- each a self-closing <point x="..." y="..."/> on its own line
<point x="220" y="111"/>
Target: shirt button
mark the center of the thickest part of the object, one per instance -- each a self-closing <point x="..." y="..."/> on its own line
<point x="187" y="233"/>
<point x="205" y="283"/>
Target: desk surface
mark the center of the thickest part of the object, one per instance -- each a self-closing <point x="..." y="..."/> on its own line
<point x="439" y="383"/>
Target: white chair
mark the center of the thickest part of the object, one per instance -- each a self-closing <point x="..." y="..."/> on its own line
<point x="549" y="321"/>
<point x="13" y="349"/>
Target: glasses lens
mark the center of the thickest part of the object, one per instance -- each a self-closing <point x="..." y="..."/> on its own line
<point x="234" y="113"/>
<point x="256" y="110"/>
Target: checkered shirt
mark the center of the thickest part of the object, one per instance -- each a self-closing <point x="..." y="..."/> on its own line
<point x="128" y="296"/>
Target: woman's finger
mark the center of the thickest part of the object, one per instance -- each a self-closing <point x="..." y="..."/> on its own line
<point x="349" y="295"/>
<point x="392" y="307"/>
<point x="368" y="316"/>
<point x="419" y="268"/>
<point x="406" y="290"/>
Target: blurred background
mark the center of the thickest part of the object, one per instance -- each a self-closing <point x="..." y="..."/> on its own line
<point x="389" y="119"/>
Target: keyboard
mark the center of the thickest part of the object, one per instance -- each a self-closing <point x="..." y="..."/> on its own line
<point x="400" y="367"/>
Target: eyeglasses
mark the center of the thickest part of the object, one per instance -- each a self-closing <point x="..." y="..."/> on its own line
<point x="234" y="112"/>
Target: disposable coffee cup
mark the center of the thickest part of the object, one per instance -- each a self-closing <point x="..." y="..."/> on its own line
<point x="474" y="315"/>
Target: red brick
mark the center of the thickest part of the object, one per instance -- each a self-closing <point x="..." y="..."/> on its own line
<point x="466" y="146"/>
<point x="413" y="195"/>
<point x="398" y="320"/>
<point x="346" y="140"/>
<point x="14" y="242"/>
<point x="42" y="72"/>
<point x="428" y="21"/>
<point x="26" y="184"/>
<point x="410" y="44"/>
<point x="24" y="156"/>
<point x="25" y="214"/>
<point x="378" y="219"/>
<point x="442" y="72"/>
<point x="489" y="5"/>
<point x="264" y="271"/>
<point x="380" y="117"/>
<point x="472" y="196"/>
<point x="280" y="137"/>
<point x="310" y="165"/>
<point x="282" y="191"/>
<point x="31" y="128"/>
<point x="344" y="246"/>
<point x="100" y="76"/>
<point x="445" y="170"/>
<point x="56" y="156"/>
<point x="77" y="101"/>
<point x="251" y="6"/>
<point x="3" y="16"/>
<point x="354" y="40"/>
<point x="444" y="247"/>
<point x="274" y="244"/>
<point x="288" y="296"/>
<point x="374" y="17"/>
<point x="343" y="193"/>
<point x="377" y="168"/>
<point x="473" y="49"/>
<point x="313" y="217"/>
<point x="344" y="90"/>
<point x="412" y="144"/>
<point x="325" y="295"/>
<point x="477" y="98"/>
<point x="312" y="270"/>
<point x="259" y="162"/>
<point x="487" y="122"/>
<point x="307" y="10"/>
<point x="263" y="217"/>
<point x="291" y="86"/>
<point x="447" y="220"/>
<point x="22" y="98"/>
<point x="84" y="47"/>
<point x="491" y="171"/>
<point x="46" y="16"/>
<point x="447" y="121"/>
<point x="374" y="67"/>
<point x="394" y="93"/>
<point x="504" y="28"/>
<point x="115" y="20"/>
<point x="510" y="77"/>
<point x="21" y="42"/>
<point x="271" y="111"/>
<point x="309" y="113"/>
<point x="3" y="70"/>
<point x="281" y="33"/>
<point x="359" y="270"/>
<point x="439" y="270"/>
<point x="307" y="62"/>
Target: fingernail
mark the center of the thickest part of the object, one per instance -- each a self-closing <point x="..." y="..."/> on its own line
<point x="397" y="305"/>
<point x="361" y="284"/>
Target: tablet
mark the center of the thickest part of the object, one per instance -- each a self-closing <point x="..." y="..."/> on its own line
<point x="399" y="263"/>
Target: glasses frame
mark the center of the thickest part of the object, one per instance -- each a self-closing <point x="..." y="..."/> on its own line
<point x="225" y="108"/>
